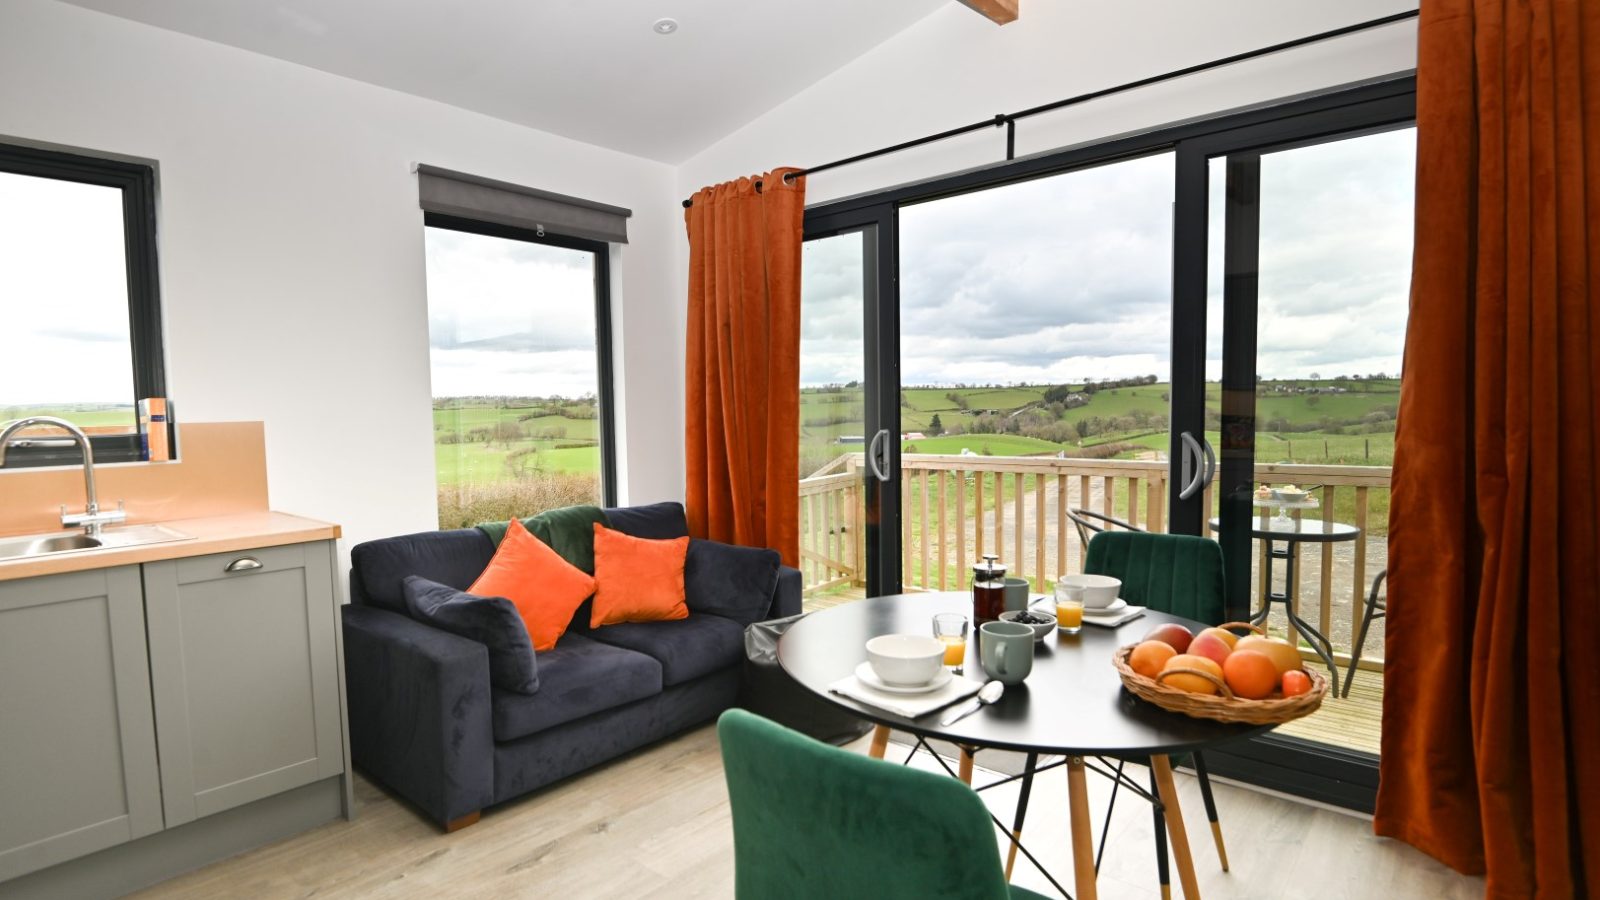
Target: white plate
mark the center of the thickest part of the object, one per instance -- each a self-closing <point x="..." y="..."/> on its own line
<point x="870" y="678"/>
<point x="1117" y="605"/>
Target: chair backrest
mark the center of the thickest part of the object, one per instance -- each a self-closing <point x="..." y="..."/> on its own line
<point x="1089" y="522"/>
<point x="812" y="820"/>
<point x="1172" y="573"/>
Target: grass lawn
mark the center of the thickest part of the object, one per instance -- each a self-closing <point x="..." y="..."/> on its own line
<point x="483" y="463"/>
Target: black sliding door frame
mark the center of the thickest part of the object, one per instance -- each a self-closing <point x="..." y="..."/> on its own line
<point x="1292" y="765"/>
<point x="878" y="227"/>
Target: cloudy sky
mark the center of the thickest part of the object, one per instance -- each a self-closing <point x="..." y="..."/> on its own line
<point x="1048" y="281"/>
<point x="509" y="317"/>
<point x="63" y="293"/>
<point x="1069" y="277"/>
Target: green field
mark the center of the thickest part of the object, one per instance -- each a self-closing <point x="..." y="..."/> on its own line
<point x="84" y="415"/>
<point x="493" y="441"/>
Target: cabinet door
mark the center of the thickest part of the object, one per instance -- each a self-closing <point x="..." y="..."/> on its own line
<point x="77" y="742"/>
<point x="243" y="663"/>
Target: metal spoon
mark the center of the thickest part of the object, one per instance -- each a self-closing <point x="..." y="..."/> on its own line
<point x="987" y="694"/>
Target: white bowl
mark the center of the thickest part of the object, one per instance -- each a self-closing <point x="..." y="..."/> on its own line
<point x="905" y="660"/>
<point x="1290" y="496"/>
<point x="1039" y="631"/>
<point x="1099" y="591"/>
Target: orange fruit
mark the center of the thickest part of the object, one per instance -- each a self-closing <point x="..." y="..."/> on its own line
<point x="1281" y="652"/>
<point x="1194" y="684"/>
<point x="1224" y="634"/>
<point x="1250" y="674"/>
<point x="1295" y="683"/>
<point x="1148" y="657"/>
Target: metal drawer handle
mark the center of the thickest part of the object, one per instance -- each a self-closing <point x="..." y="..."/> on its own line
<point x="243" y="564"/>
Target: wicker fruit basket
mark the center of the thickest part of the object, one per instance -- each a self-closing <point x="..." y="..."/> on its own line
<point x="1222" y="707"/>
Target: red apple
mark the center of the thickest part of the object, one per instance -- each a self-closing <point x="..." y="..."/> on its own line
<point x="1211" y="647"/>
<point x="1172" y="634"/>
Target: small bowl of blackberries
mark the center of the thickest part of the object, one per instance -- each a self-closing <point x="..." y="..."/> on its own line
<point x="1041" y="623"/>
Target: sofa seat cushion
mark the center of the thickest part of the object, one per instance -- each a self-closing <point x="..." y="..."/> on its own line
<point x="577" y="678"/>
<point x="686" y="648"/>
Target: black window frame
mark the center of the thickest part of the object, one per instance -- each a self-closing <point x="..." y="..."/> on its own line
<point x="602" y="324"/>
<point x="137" y="181"/>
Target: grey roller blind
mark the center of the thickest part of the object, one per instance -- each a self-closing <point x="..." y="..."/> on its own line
<point x="487" y="200"/>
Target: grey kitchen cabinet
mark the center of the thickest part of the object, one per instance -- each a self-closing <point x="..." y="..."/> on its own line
<point x="245" y="675"/>
<point x="78" y="769"/>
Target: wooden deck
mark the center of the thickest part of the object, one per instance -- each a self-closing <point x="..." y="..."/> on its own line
<point x="1352" y="723"/>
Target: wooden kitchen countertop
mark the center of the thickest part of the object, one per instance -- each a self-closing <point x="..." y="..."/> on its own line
<point x="213" y="534"/>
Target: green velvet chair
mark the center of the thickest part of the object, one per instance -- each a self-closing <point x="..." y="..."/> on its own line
<point x="1178" y="574"/>
<point x="812" y="820"/>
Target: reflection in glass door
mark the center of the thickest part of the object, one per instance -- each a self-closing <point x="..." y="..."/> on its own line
<point x="1308" y="266"/>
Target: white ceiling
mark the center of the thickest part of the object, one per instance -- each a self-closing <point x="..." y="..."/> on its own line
<point x="592" y="70"/>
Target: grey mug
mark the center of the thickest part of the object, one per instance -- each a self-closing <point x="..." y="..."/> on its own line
<point x="1006" y="650"/>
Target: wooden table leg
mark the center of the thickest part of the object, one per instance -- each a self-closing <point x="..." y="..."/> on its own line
<point x="1174" y="815"/>
<point x="1082" y="830"/>
<point x="880" y="741"/>
<point x="966" y="766"/>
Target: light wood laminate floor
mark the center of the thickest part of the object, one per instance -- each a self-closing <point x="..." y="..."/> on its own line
<point x="655" y="824"/>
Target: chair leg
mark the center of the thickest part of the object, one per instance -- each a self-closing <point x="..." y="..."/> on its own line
<point x="1161" y="839"/>
<point x="1361" y="638"/>
<point x="1211" y="807"/>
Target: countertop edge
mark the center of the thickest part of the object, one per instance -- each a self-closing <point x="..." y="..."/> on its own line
<point x="214" y="534"/>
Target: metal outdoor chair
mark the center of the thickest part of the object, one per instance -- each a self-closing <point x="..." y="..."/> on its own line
<point x="1377" y="608"/>
<point x="1090" y="523"/>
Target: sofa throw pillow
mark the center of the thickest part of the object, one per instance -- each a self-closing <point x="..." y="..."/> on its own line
<point x="729" y="581"/>
<point x="637" y="579"/>
<point x="545" y="588"/>
<point x="491" y="621"/>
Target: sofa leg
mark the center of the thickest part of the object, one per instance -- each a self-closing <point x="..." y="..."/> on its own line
<point x="455" y="825"/>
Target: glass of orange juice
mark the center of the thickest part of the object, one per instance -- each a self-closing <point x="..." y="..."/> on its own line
<point x="1069" y="608"/>
<point x="951" y="628"/>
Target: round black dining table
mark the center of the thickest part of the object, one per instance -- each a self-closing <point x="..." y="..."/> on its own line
<point x="1072" y="704"/>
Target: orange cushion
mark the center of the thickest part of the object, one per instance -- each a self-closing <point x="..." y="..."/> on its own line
<point x="545" y="588"/>
<point x="637" y="580"/>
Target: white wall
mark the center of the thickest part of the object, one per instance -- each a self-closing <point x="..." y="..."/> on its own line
<point x="292" y="249"/>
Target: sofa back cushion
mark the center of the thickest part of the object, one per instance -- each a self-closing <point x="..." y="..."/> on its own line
<point x="730" y="581"/>
<point x="491" y="621"/>
<point x="656" y="521"/>
<point x="452" y="558"/>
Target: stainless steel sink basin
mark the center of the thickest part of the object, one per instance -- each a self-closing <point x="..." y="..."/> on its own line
<point x="35" y="545"/>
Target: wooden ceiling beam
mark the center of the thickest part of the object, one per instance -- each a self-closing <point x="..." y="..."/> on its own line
<point x="997" y="11"/>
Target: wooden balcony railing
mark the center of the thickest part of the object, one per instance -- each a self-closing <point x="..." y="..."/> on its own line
<point x="956" y="508"/>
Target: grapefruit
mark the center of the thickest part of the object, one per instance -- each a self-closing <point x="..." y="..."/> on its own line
<point x="1250" y="674"/>
<point x="1194" y="684"/>
<point x="1148" y="658"/>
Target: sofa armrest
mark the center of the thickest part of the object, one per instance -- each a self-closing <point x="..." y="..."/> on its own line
<point x="419" y="711"/>
<point x="786" y="596"/>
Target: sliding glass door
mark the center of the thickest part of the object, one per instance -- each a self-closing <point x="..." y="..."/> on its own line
<point x="1293" y="266"/>
<point x="846" y="427"/>
<point x="1141" y="334"/>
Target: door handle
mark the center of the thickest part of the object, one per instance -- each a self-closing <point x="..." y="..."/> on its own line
<point x="1192" y="480"/>
<point x="880" y="470"/>
<point x="1211" y="463"/>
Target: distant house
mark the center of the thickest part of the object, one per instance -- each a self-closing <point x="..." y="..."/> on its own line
<point x="851" y="439"/>
<point x="913" y="436"/>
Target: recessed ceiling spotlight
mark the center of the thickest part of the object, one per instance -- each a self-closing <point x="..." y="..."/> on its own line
<point x="665" y="26"/>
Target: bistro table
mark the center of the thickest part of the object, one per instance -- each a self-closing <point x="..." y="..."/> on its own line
<point x="1291" y="533"/>
<point x="1072" y="704"/>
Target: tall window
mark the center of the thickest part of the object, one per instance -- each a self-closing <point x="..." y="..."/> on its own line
<point x="77" y="296"/>
<point x="517" y="332"/>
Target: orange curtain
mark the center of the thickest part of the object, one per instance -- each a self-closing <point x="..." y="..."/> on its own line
<point x="743" y="379"/>
<point x="1491" y="694"/>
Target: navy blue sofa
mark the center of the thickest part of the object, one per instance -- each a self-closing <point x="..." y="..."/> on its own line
<point x="425" y="722"/>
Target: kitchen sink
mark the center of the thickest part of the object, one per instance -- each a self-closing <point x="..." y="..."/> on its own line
<point x="37" y="545"/>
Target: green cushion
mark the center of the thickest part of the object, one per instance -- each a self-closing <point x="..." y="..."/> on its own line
<point x="569" y="531"/>
<point x="812" y="820"/>
<point x="1171" y="573"/>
